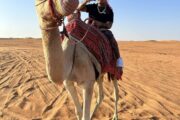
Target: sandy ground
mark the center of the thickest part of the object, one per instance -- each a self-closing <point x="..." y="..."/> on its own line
<point x="150" y="89"/>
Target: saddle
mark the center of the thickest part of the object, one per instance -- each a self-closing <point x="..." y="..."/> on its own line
<point x="96" y="43"/>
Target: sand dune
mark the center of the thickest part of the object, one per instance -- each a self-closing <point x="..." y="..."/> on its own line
<point x="150" y="89"/>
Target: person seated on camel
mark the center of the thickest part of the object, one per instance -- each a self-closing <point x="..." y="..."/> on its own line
<point x="101" y="16"/>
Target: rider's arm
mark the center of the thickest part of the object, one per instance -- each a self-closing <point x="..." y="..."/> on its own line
<point x="106" y="25"/>
<point x="82" y="6"/>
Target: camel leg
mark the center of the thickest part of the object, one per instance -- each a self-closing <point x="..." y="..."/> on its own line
<point x="116" y="94"/>
<point x="73" y="93"/>
<point x="87" y="97"/>
<point x="100" y="94"/>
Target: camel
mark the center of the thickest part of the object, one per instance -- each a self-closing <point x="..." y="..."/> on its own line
<point x="70" y="63"/>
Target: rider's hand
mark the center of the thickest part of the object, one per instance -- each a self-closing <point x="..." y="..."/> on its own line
<point x="98" y="24"/>
<point x="86" y="1"/>
<point x="82" y="5"/>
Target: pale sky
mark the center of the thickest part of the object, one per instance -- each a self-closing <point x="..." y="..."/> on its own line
<point x="133" y="19"/>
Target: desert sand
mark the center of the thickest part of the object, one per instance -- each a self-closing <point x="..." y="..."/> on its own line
<point x="150" y="89"/>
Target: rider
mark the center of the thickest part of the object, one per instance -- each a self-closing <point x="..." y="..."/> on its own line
<point x="101" y="16"/>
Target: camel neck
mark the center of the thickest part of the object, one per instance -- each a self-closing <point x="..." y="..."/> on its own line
<point x="53" y="54"/>
<point x="50" y="36"/>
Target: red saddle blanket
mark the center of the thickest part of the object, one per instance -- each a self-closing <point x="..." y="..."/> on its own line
<point x="96" y="43"/>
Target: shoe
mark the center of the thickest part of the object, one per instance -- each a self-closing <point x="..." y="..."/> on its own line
<point x="119" y="62"/>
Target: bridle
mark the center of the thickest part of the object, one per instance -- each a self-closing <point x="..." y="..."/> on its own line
<point x="59" y="19"/>
<point x="40" y="2"/>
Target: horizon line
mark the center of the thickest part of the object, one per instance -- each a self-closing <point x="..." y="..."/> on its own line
<point x="1" y="38"/>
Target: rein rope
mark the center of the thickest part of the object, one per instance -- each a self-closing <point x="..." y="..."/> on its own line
<point x="57" y="17"/>
<point x="40" y="2"/>
<point x="80" y="41"/>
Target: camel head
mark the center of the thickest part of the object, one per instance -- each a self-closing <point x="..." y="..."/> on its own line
<point x="50" y="12"/>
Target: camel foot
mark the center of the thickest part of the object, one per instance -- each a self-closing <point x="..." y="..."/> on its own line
<point x="115" y="117"/>
<point x="79" y="115"/>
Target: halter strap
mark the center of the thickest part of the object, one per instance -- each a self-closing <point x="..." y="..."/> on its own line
<point x="55" y="15"/>
<point x="40" y="2"/>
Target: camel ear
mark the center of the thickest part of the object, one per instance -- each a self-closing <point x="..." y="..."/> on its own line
<point x="66" y="7"/>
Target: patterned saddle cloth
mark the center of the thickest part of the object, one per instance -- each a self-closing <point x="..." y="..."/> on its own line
<point x="96" y="43"/>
